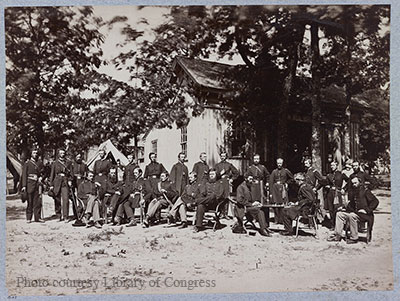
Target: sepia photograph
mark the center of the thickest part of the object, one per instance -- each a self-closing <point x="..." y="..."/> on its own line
<point x="197" y="149"/>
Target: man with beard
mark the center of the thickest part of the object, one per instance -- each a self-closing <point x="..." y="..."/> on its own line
<point x="133" y="196"/>
<point x="153" y="171"/>
<point x="246" y="205"/>
<point x="60" y="180"/>
<point x="31" y="180"/>
<point x="260" y="176"/>
<point x="189" y="195"/>
<point x="278" y="183"/>
<point x="335" y="192"/>
<point x="179" y="174"/>
<point x="306" y="199"/>
<point x="361" y="205"/>
<point x="162" y="197"/>
<point x="210" y="194"/>
<point x="201" y="168"/>
<point x="228" y="173"/>
<point x="365" y="178"/>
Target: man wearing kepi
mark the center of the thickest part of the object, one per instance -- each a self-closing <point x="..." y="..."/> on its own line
<point x="278" y="184"/>
<point x="189" y="195"/>
<point x="60" y="179"/>
<point x="306" y="200"/>
<point x="179" y="174"/>
<point x="201" y="168"/>
<point x="245" y="204"/>
<point x="361" y="205"/>
<point x="153" y="171"/>
<point x="260" y="176"/>
<point x="31" y="178"/>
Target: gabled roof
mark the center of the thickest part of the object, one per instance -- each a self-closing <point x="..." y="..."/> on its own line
<point x="205" y="73"/>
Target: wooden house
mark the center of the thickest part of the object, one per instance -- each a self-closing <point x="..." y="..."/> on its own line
<point x="210" y="133"/>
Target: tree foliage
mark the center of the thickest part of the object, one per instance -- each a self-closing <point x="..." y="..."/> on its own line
<point x="51" y="57"/>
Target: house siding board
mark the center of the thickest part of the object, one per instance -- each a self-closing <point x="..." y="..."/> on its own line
<point x="204" y="133"/>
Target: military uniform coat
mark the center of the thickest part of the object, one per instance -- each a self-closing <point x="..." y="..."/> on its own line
<point x="60" y="175"/>
<point x="277" y="180"/>
<point x="101" y="169"/>
<point x="261" y="176"/>
<point x="78" y="171"/>
<point x="179" y="177"/>
<point x="226" y="171"/>
<point x="201" y="169"/>
<point x="31" y="172"/>
<point x="152" y="173"/>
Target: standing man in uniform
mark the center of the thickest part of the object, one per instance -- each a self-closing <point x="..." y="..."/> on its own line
<point x="31" y="179"/>
<point x="278" y="183"/>
<point x="102" y="168"/>
<point x="60" y="180"/>
<point x="260" y="176"/>
<point x="179" y="174"/>
<point x="79" y="171"/>
<point x="335" y="192"/>
<point x="313" y="177"/>
<point x="227" y="172"/>
<point x="201" y="168"/>
<point x="153" y="171"/>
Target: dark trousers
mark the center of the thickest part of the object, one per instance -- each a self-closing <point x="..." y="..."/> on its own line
<point x="62" y="200"/>
<point x="34" y="206"/>
<point x="202" y="205"/>
<point x="257" y="214"/>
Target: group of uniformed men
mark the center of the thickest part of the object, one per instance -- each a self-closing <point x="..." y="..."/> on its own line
<point x="107" y="196"/>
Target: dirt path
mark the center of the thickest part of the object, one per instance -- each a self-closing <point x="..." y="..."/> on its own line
<point x="165" y="260"/>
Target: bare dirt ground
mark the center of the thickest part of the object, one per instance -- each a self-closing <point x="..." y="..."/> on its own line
<point x="50" y="258"/>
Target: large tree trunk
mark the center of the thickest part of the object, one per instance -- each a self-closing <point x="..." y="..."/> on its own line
<point x="347" y="121"/>
<point x="315" y="102"/>
<point x="287" y="90"/>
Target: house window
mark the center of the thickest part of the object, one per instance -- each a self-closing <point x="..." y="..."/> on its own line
<point x="154" y="146"/>
<point x="184" y="139"/>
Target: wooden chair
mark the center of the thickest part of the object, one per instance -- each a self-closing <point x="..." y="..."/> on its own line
<point x="369" y="219"/>
<point x="218" y="212"/>
<point x="312" y="220"/>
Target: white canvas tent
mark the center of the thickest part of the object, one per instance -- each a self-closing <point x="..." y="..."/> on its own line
<point x="14" y="172"/>
<point x="108" y="147"/>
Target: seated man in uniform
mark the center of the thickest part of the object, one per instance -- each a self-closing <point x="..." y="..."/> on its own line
<point x="190" y="193"/>
<point x="361" y="205"/>
<point x="87" y="192"/>
<point x="132" y="196"/>
<point x="306" y="199"/>
<point x="210" y="194"/>
<point x="246" y="205"/>
<point x="163" y="196"/>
